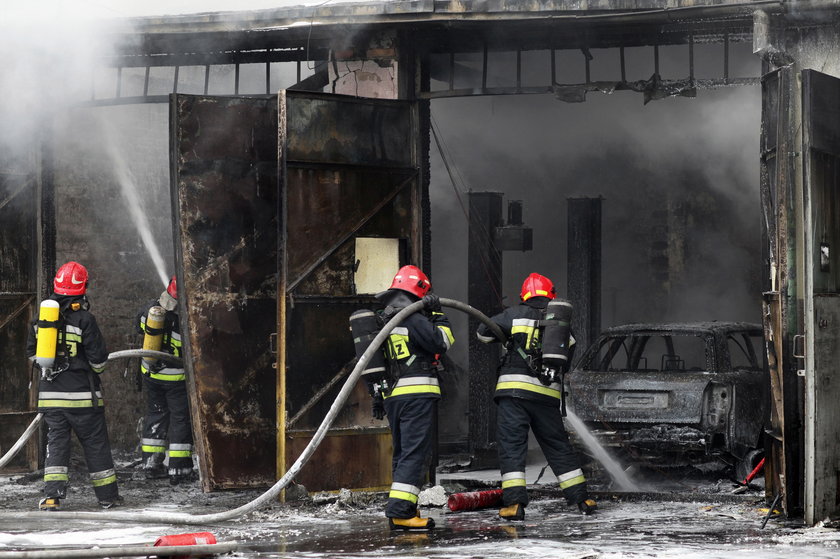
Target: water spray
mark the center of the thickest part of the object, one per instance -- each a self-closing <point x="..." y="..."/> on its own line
<point x="130" y="192"/>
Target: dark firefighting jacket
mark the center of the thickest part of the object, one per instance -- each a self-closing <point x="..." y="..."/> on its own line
<point x="518" y="371"/>
<point x="171" y="343"/>
<point x="81" y="347"/>
<point x="411" y="349"/>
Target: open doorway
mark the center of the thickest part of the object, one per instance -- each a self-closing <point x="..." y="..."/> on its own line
<point x="679" y="177"/>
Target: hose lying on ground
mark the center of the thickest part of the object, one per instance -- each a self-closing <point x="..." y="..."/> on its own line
<point x="176" y="551"/>
<point x="274" y="491"/>
<point x="124" y="354"/>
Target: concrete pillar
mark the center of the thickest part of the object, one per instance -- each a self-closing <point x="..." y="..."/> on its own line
<point x="584" y="268"/>
<point x="484" y="280"/>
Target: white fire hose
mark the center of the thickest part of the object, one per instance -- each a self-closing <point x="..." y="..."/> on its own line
<point x="272" y="493"/>
<point x="126" y="353"/>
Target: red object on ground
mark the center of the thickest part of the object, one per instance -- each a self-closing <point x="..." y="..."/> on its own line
<point x="474" y="500"/>
<point x="755" y="471"/>
<point x="197" y="538"/>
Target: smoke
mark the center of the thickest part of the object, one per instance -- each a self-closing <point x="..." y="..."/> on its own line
<point x="679" y="178"/>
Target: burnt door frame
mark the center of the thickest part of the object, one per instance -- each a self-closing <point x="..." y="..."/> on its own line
<point x="27" y="237"/>
<point x="781" y="308"/>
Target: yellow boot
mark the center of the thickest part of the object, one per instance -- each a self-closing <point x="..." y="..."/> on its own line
<point x="414" y="523"/>
<point x="50" y="503"/>
<point x="588" y="506"/>
<point x="513" y="512"/>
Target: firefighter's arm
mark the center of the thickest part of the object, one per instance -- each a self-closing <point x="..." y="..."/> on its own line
<point x="94" y="344"/>
<point x="483" y="333"/>
<point x="433" y="334"/>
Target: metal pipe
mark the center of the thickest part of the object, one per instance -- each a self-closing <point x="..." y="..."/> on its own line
<point x="271" y="494"/>
<point x="124" y="354"/>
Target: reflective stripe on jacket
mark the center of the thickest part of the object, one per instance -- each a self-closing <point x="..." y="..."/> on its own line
<point x="81" y="347"/>
<point x="517" y="378"/>
<point x="411" y="349"/>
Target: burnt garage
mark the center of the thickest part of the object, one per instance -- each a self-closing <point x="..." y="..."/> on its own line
<point x="661" y="160"/>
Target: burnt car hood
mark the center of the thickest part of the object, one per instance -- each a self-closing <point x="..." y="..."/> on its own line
<point x="668" y="397"/>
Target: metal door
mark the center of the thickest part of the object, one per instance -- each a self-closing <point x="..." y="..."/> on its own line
<point x="224" y="189"/>
<point x="259" y="253"/>
<point x="348" y="170"/>
<point x="821" y="195"/>
<point x="18" y="293"/>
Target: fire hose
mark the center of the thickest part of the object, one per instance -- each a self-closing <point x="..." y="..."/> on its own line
<point x="272" y="493"/>
<point x="124" y="354"/>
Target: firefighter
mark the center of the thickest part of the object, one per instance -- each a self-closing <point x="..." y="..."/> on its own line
<point x="69" y="391"/>
<point x="167" y="408"/>
<point x="410" y="401"/>
<point x="526" y="398"/>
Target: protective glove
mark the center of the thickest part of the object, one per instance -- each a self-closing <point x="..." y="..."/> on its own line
<point x="547" y="376"/>
<point x="431" y="302"/>
<point x="377" y="408"/>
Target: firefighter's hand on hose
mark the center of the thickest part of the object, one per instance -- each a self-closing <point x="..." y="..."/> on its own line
<point x="377" y="407"/>
<point x="547" y="376"/>
<point x="431" y="302"/>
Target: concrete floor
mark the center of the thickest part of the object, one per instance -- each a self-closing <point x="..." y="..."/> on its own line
<point x="690" y="520"/>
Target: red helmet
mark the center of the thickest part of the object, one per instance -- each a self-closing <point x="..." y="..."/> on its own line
<point x="71" y="279"/>
<point x="411" y="279"/>
<point x="172" y="288"/>
<point x="536" y="285"/>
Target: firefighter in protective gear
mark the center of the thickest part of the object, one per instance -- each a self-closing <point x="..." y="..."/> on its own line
<point x="410" y="402"/>
<point x="70" y="395"/>
<point x="167" y="407"/>
<point x="525" y="400"/>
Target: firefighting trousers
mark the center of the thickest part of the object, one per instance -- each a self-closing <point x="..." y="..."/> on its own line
<point x="412" y="422"/>
<point x="514" y="416"/>
<point x="167" y="416"/>
<point x="90" y="429"/>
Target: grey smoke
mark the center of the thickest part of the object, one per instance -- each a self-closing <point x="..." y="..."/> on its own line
<point x="681" y="171"/>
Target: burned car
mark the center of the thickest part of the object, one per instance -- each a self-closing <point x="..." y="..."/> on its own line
<point x="675" y="394"/>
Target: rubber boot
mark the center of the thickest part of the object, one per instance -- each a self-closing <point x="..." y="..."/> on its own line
<point x="513" y="512"/>
<point x="413" y="523"/>
<point x="50" y="504"/>
<point x="111" y="503"/>
<point x="178" y="476"/>
<point x="156" y="471"/>
<point x="588" y="506"/>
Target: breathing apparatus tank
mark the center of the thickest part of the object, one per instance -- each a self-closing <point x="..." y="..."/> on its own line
<point x="364" y="326"/>
<point x="154" y="331"/>
<point x="555" y="343"/>
<point x="47" y="336"/>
